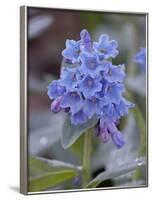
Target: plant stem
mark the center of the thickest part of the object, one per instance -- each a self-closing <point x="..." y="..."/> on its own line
<point x="142" y="146"/>
<point x="86" y="158"/>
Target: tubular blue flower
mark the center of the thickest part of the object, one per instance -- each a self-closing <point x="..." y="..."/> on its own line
<point x="105" y="48"/>
<point x="102" y="92"/>
<point x="109" y="127"/>
<point x="117" y="136"/>
<point x="140" y="58"/>
<point x="55" y="105"/>
<point x="118" y="139"/>
<point x="92" y="106"/>
<point x="114" y="73"/>
<point x="90" y="64"/>
<point x="114" y="92"/>
<point x="124" y="107"/>
<point x="55" y="89"/>
<point x="69" y="77"/>
<point x="112" y="111"/>
<point x="72" y="51"/>
<point x="86" y="40"/>
<point x="89" y="86"/>
<point x="72" y="100"/>
<point x="78" y="118"/>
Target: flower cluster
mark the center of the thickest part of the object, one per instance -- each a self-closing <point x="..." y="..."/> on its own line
<point x="140" y="58"/>
<point x="93" y="87"/>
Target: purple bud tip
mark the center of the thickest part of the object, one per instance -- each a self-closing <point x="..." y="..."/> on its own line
<point x="55" y="106"/>
<point x="85" y="36"/>
<point x="118" y="139"/>
<point x="104" y="135"/>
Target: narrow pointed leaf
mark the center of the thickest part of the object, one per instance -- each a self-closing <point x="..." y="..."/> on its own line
<point x="50" y="179"/>
<point x="117" y="171"/>
<point x="45" y="173"/>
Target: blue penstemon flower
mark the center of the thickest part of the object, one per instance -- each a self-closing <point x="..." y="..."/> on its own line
<point x="94" y="86"/>
<point x="72" y="51"/>
<point x="105" y="48"/>
<point x="89" y="86"/>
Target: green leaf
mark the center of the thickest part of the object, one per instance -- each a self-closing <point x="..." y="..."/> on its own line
<point x="71" y="133"/>
<point x="77" y="148"/>
<point x="117" y="171"/>
<point x="45" y="173"/>
<point x="50" y="179"/>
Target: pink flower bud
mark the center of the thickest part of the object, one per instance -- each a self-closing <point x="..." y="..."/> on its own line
<point x="55" y="105"/>
<point x="104" y="135"/>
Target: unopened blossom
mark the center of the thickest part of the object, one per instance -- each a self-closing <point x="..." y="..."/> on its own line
<point x="86" y="40"/>
<point x="90" y="85"/>
<point x="55" y="106"/>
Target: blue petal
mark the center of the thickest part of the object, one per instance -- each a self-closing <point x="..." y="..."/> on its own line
<point x="115" y="73"/>
<point x="103" y="38"/>
<point x="111" y="111"/>
<point x="78" y="118"/>
<point x="106" y="48"/>
<point x="72" y="50"/>
<point x="69" y="77"/>
<point x="89" y="86"/>
<point x="55" y="89"/>
<point x="73" y="100"/>
<point x="114" y="93"/>
<point x="90" y="64"/>
<point x="124" y="106"/>
<point x="92" y="106"/>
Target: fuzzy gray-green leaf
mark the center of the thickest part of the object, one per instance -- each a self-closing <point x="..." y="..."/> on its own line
<point x="117" y="171"/>
<point x="45" y="173"/>
<point x="71" y="133"/>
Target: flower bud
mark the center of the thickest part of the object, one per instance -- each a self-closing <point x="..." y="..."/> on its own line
<point x="86" y="39"/>
<point x="118" y="139"/>
<point x="55" y="106"/>
<point x="104" y="135"/>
